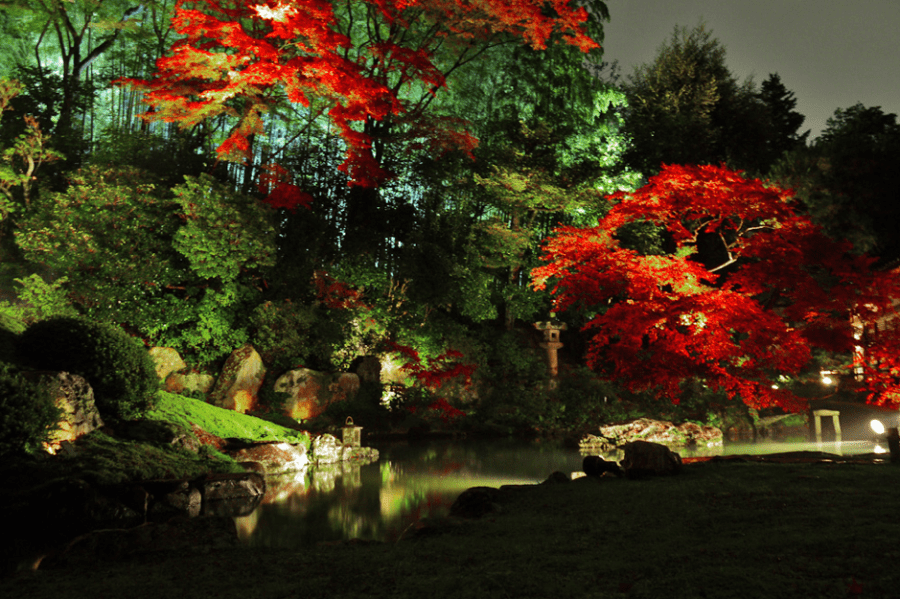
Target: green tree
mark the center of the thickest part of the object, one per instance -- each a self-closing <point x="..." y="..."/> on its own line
<point x="549" y="140"/>
<point x="20" y="161"/>
<point x="686" y="107"/>
<point x="180" y="271"/>
<point x="111" y="233"/>
<point x="845" y="178"/>
<point x="783" y="120"/>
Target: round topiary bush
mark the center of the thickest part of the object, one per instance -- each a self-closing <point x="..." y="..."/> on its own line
<point x="28" y="413"/>
<point x="117" y="366"/>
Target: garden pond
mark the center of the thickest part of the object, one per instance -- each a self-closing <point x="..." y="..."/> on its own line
<point x="378" y="501"/>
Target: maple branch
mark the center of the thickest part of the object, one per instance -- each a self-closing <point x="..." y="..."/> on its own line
<point x="729" y="262"/>
<point x="760" y="228"/>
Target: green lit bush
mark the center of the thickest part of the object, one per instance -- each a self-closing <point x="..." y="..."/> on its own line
<point x="28" y="414"/>
<point x="118" y="368"/>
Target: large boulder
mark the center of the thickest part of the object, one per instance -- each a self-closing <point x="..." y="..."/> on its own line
<point x="185" y="383"/>
<point x="593" y="465"/>
<point x="166" y="360"/>
<point x="239" y="382"/>
<point x="310" y="392"/>
<point x="169" y="498"/>
<point x="649" y="459"/>
<point x="75" y="399"/>
<point x="476" y="502"/>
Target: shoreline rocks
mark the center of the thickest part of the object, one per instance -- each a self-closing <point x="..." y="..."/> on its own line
<point x="616" y="436"/>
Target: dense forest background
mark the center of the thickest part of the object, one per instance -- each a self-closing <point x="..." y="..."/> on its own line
<point x="140" y="222"/>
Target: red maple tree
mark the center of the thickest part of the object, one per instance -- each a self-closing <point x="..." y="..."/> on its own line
<point x="352" y="59"/>
<point x="773" y="287"/>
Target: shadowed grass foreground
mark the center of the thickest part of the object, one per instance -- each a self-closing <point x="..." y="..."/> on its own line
<point x="720" y="530"/>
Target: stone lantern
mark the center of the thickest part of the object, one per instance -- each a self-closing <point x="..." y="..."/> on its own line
<point x="551" y="343"/>
<point x="351" y="434"/>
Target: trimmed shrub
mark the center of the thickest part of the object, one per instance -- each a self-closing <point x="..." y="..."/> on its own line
<point x="117" y="366"/>
<point x="28" y="414"/>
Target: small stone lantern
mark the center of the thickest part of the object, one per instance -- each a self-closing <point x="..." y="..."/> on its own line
<point x="351" y="434"/>
<point x="551" y="343"/>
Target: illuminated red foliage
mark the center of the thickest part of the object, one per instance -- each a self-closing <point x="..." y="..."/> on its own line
<point x="238" y="58"/>
<point x="440" y="370"/>
<point x="278" y="191"/>
<point x="879" y="363"/>
<point x="336" y="294"/>
<point x="781" y="289"/>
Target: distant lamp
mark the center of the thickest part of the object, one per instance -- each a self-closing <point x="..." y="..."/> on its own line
<point x="877" y="427"/>
<point x="352" y="435"/>
<point x="827" y="380"/>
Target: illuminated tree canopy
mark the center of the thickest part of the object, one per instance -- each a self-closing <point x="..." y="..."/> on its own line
<point x="350" y="61"/>
<point x="748" y="289"/>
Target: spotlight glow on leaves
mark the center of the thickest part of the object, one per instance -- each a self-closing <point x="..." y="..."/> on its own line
<point x="781" y="288"/>
<point x="236" y="59"/>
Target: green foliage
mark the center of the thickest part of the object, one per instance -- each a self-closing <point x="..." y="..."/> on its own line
<point x="39" y="300"/>
<point x="588" y="400"/>
<point x="182" y="273"/>
<point x="28" y="414"/>
<point x="686" y="107"/>
<point x="23" y="150"/>
<point x="110" y="232"/>
<point x="512" y="358"/>
<point x="642" y="236"/>
<point x="282" y="334"/>
<point x="117" y="366"/>
<point x="845" y="178"/>
<point x="783" y="120"/>
<point x="225" y="233"/>
<point x="207" y="323"/>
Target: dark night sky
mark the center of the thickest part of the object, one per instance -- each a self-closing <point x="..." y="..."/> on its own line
<point x="830" y="53"/>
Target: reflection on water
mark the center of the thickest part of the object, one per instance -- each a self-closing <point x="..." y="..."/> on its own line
<point x="378" y="501"/>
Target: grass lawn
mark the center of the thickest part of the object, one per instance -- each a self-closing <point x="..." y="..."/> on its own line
<point x="720" y="530"/>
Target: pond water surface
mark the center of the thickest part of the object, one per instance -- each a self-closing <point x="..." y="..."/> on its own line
<point x="378" y="501"/>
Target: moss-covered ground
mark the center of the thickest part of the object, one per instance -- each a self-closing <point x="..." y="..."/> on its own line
<point x="185" y="411"/>
<point x="720" y="530"/>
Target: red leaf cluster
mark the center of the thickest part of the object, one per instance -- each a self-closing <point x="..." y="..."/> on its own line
<point x="275" y="184"/>
<point x="335" y="294"/>
<point x="783" y="288"/>
<point x="440" y="370"/>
